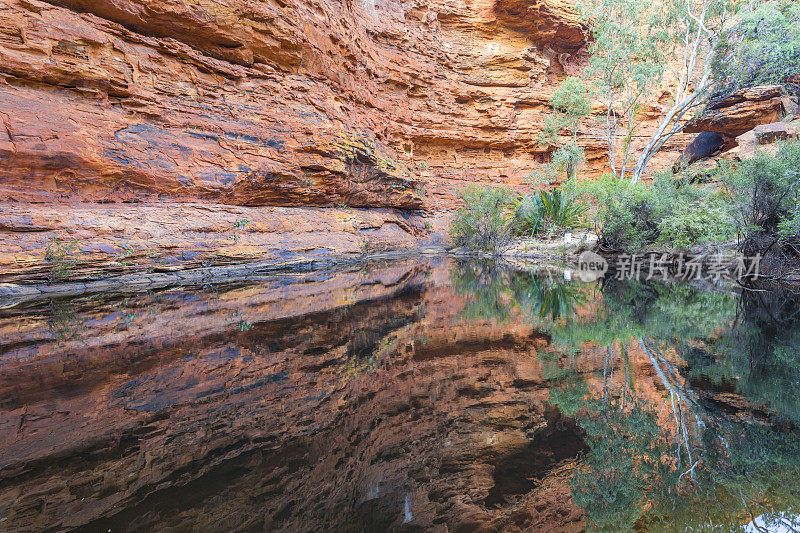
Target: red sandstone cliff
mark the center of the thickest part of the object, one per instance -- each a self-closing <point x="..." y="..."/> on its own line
<point x="185" y="105"/>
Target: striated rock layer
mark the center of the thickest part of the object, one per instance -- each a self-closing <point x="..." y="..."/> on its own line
<point x="739" y="112"/>
<point x="368" y="104"/>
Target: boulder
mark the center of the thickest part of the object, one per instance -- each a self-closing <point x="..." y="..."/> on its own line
<point x="707" y="144"/>
<point x="762" y="138"/>
<point x="791" y="106"/>
<point x="777" y="131"/>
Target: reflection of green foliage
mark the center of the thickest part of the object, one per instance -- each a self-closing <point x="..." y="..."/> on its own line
<point x="748" y="468"/>
<point x="63" y="322"/>
<point x="544" y="297"/>
<point x="485" y="283"/>
<point x="569" y="395"/>
<point x="767" y="377"/>
<point x="754" y="453"/>
<point x="624" y="464"/>
<point x="635" y="309"/>
<point x="494" y="290"/>
<point x="759" y="355"/>
<point x="636" y="473"/>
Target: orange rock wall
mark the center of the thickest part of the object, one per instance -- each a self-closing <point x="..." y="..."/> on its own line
<point x="366" y="104"/>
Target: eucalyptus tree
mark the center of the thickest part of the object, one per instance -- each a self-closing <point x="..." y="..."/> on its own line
<point x="632" y="45"/>
<point x="626" y="62"/>
<point x="570" y="103"/>
<point x="691" y="30"/>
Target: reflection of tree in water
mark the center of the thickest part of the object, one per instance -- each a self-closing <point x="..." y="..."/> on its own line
<point x="707" y="469"/>
<point x="625" y="463"/>
<point x="758" y="357"/>
<point x="544" y="297"/>
<point x="687" y="461"/>
<point x="486" y="286"/>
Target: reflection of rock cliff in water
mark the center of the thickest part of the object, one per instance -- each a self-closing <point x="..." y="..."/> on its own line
<point x="342" y="400"/>
<point x="444" y="396"/>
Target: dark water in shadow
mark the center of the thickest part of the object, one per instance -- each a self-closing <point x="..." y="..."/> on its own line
<point x="414" y="396"/>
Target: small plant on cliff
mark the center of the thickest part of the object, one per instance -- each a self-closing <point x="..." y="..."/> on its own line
<point x="126" y="253"/>
<point x="570" y="103"/>
<point x="240" y="223"/>
<point x="62" y="257"/>
<point x="483" y="222"/>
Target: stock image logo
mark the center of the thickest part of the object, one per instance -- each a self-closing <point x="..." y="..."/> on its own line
<point x="591" y="266"/>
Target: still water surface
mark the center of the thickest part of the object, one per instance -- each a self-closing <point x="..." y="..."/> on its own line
<point x="441" y="395"/>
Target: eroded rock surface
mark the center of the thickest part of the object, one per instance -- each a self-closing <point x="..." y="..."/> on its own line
<point x="262" y="103"/>
<point x="369" y="104"/>
<point x="739" y="112"/>
<point x="100" y="239"/>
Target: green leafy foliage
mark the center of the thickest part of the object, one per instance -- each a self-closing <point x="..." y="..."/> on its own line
<point x="765" y="196"/>
<point x="765" y="190"/>
<point x="671" y="210"/>
<point x="761" y="47"/>
<point x="483" y="222"/>
<point x="570" y="103"/>
<point x="696" y="224"/>
<point x="491" y="216"/>
<point x="547" y="211"/>
<point x="571" y="99"/>
<point x="561" y="209"/>
<point x="528" y="218"/>
<point x="566" y="159"/>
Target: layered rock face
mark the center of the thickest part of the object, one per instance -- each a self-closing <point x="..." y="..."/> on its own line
<point x="338" y="105"/>
<point x="739" y="112"/>
<point x="268" y="103"/>
<point x="742" y="123"/>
